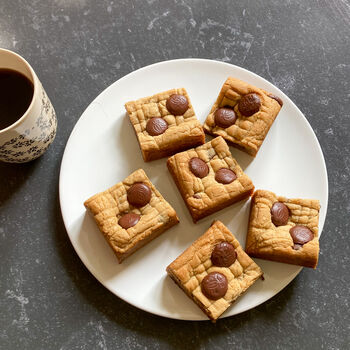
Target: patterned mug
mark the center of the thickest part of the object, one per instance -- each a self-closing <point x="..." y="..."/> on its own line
<point x="30" y="136"/>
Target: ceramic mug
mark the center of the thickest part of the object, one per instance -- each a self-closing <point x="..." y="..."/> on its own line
<point x="30" y="136"/>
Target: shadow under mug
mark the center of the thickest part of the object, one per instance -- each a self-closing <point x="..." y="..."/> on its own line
<point x="29" y="136"/>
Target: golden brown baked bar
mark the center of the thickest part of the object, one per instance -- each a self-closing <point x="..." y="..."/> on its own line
<point x="190" y="269"/>
<point x="248" y="131"/>
<point x="204" y="196"/>
<point x="274" y="241"/>
<point x="145" y="223"/>
<point x="182" y="130"/>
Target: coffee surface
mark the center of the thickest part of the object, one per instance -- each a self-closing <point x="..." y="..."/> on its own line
<point x="16" y="93"/>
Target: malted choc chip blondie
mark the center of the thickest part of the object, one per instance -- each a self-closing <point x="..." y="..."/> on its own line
<point x="214" y="271"/>
<point x="131" y="213"/>
<point x="242" y="115"/>
<point x="284" y="230"/>
<point x="165" y="124"/>
<point x="209" y="178"/>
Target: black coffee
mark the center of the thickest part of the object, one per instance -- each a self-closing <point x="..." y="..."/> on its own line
<point x="16" y="93"/>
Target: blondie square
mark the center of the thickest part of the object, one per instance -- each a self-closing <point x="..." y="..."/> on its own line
<point x="209" y="178"/>
<point x="131" y="213"/>
<point x="243" y="115"/>
<point x="284" y="230"/>
<point x="165" y="124"/>
<point x="214" y="271"/>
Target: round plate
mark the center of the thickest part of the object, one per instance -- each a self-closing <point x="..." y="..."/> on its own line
<point x="102" y="150"/>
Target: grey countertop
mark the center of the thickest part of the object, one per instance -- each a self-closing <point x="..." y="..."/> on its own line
<point x="48" y="299"/>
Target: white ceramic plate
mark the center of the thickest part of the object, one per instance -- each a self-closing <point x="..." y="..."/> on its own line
<point x="102" y="150"/>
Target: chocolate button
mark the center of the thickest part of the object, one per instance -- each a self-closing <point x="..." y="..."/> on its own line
<point x="225" y="117"/>
<point x="249" y="104"/>
<point x="129" y="220"/>
<point x="177" y="104"/>
<point x="214" y="285"/>
<point x="198" y="167"/>
<point x="225" y="176"/>
<point x="301" y="234"/>
<point x="223" y="255"/>
<point x="139" y="194"/>
<point x="277" y="99"/>
<point x="156" y="126"/>
<point x="279" y="214"/>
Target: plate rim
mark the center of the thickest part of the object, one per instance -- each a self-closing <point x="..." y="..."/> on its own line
<point x="90" y="268"/>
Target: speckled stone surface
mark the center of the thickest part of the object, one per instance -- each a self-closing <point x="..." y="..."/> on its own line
<point x="48" y="299"/>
